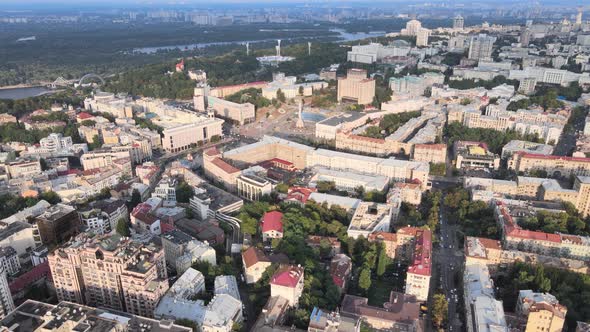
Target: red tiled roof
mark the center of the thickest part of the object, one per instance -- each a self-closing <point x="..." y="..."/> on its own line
<point x="551" y="157"/>
<point x="29" y="277"/>
<point x="300" y="193"/>
<point x="212" y="151"/>
<point x="287" y="276"/>
<point x="224" y="166"/>
<point x="252" y="256"/>
<point x="383" y="236"/>
<point x="272" y="221"/>
<point x="281" y="161"/>
<point x="430" y="146"/>
<point x="422" y="254"/>
<point x="84" y="116"/>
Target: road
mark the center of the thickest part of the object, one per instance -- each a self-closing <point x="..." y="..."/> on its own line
<point x="449" y="260"/>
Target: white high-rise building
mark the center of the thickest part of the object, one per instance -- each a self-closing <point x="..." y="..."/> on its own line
<point x="481" y="47"/>
<point x="458" y="22"/>
<point x="6" y="303"/>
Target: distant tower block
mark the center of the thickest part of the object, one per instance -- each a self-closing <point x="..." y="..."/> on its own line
<point x="308" y="48"/>
<point x="579" y="17"/>
<point x="247" y="48"/>
<point x="278" y="47"/>
<point x="300" y="123"/>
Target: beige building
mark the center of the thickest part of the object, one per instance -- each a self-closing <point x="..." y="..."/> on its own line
<point x="553" y="165"/>
<point x="102" y="158"/>
<point x="303" y="156"/>
<point x="219" y="170"/>
<point x="356" y="87"/>
<point x="110" y="271"/>
<point x="239" y="113"/>
<point x="287" y="282"/>
<point x="431" y="153"/>
<point x="184" y="136"/>
<point x="542" y="311"/>
<point x="226" y="90"/>
<point x="23" y="168"/>
<point x="419" y="271"/>
<point x="255" y="262"/>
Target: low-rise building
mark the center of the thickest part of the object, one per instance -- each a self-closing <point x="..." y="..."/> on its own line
<point x="474" y="155"/>
<point x="323" y="321"/>
<point x="272" y="226"/>
<point x="340" y="270"/>
<point x="483" y="312"/>
<point x="400" y="313"/>
<point x="287" y="282"/>
<point x="369" y="218"/>
<point x="542" y="311"/>
<point x="182" y="250"/>
<point x="431" y="153"/>
<point x="255" y="262"/>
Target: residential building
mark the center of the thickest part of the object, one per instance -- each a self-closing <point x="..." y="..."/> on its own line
<point x="321" y="242"/>
<point x="287" y="282"/>
<point x="349" y="181"/>
<point x="6" y="302"/>
<point x="180" y="301"/>
<point x="340" y="270"/>
<point x="166" y="191"/>
<point x="542" y="311"/>
<point x="110" y="271"/>
<point x="23" y="168"/>
<point x="57" y="224"/>
<point x="554" y="165"/>
<point x="419" y="272"/>
<point x="179" y="137"/>
<point x="20" y="236"/>
<point x="369" y="218"/>
<point x="224" y="91"/>
<point x="272" y="226"/>
<point x="481" y="47"/>
<point x="182" y="250"/>
<point x="33" y="316"/>
<point x="515" y="146"/>
<point x="483" y="312"/>
<point x="356" y="87"/>
<point x="95" y="221"/>
<point x="9" y="262"/>
<point x="255" y="262"/>
<point x="227" y="285"/>
<point x="400" y="313"/>
<point x="323" y="321"/>
<point x="430" y="153"/>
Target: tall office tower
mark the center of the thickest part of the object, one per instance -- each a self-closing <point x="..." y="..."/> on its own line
<point x="481" y="47"/>
<point x="458" y="22"/>
<point x="422" y="37"/>
<point x="6" y="304"/>
<point x="110" y="271"/>
<point x="579" y="17"/>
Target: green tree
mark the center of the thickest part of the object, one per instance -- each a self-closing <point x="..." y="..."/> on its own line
<point x="440" y="309"/>
<point x="184" y="192"/>
<point x="123" y="227"/>
<point x="135" y="198"/>
<point x="281" y="96"/>
<point x="365" y="279"/>
<point x="383" y="261"/>
<point x="50" y="196"/>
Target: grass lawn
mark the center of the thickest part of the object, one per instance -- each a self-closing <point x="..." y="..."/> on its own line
<point x="379" y="292"/>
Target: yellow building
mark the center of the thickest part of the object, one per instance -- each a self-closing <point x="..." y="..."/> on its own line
<point x="542" y="311"/>
<point x="356" y="87"/>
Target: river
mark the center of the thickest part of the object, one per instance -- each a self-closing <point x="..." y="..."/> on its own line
<point x="24" y="92"/>
<point x="342" y="37"/>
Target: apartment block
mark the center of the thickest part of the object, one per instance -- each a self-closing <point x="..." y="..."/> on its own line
<point x="542" y="311"/>
<point x="418" y="276"/>
<point x="110" y="271"/>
